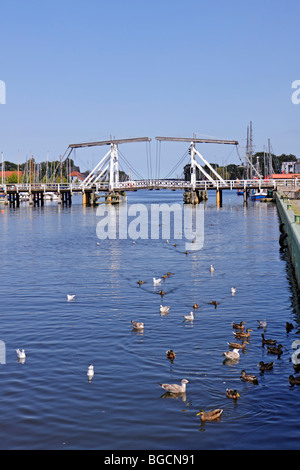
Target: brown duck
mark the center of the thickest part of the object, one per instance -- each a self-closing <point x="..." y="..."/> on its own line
<point x="210" y="415"/>
<point x="249" y="378"/>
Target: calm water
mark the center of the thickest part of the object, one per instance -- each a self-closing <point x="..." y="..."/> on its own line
<point x="48" y="403"/>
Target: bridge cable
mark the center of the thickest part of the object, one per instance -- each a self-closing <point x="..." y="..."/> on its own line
<point x="181" y="160"/>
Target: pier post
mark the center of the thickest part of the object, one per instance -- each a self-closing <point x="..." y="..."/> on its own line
<point x="85" y="199"/>
<point x="245" y="196"/>
<point x="219" y="198"/>
<point x="31" y="198"/>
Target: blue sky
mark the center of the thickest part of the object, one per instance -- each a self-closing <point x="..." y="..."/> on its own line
<point x="84" y="70"/>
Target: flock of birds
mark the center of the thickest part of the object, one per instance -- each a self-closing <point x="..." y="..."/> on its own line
<point x="233" y="354"/>
<point x="242" y="337"/>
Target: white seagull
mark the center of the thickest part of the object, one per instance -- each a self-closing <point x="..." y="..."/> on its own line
<point x="164" y="309"/>
<point x="174" y="388"/>
<point x="90" y="372"/>
<point x="262" y="323"/>
<point x="295" y="344"/>
<point x="189" y="317"/>
<point x="233" y="290"/>
<point x="156" y="282"/>
<point x="211" y="268"/>
<point x="70" y="297"/>
<point x="232" y="355"/>
<point x="21" y="354"/>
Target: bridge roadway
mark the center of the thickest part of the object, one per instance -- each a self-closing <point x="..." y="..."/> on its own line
<point x="147" y="184"/>
<point x="13" y="193"/>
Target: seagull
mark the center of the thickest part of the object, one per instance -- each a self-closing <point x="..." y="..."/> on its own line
<point x="232" y="355"/>
<point x="296" y="357"/>
<point x="189" y="317"/>
<point x="164" y="309"/>
<point x="21" y="354"/>
<point x="233" y="290"/>
<point x="137" y="325"/>
<point x="262" y="324"/>
<point x="156" y="282"/>
<point x="90" y="372"/>
<point x="295" y="344"/>
<point x="174" y="388"/>
<point x="211" y="268"/>
<point x="70" y="297"/>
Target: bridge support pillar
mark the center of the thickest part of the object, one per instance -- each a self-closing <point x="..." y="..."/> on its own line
<point x="115" y="197"/>
<point x="245" y="196"/>
<point x="86" y="199"/>
<point x="219" y="198"/>
<point x="192" y="197"/>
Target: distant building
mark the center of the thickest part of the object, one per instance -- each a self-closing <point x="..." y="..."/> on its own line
<point x="9" y="174"/>
<point x="290" y="167"/>
<point x="76" y="177"/>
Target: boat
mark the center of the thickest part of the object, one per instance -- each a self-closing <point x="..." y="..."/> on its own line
<point x="259" y="194"/>
<point x="240" y="192"/>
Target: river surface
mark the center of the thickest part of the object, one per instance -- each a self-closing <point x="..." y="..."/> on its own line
<point x="47" y="402"/>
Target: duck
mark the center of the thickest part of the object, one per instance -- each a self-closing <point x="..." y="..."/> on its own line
<point x="164" y="309"/>
<point x="175" y="388"/>
<point x="140" y="282"/>
<point x="232" y="394"/>
<point x="161" y="292"/>
<point x="275" y="350"/>
<point x="239" y="326"/>
<point x="170" y="354"/>
<point x="21" y="353"/>
<point x="137" y="325"/>
<point x="195" y="306"/>
<point x="249" y="378"/>
<point x="295" y="344"/>
<point x="265" y="365"/>
<point x="90" y="372"/>
<point x="70" y="297"/>
<point x="271" y="342"/>
<point x="212" y="269"/>
<point x="262" y="323"/>
<point x="169" y="274"/>
<point x="243" y="334"/>
<point x="214" y="302"/>
<point x="210" y="415"/>
<point x="238" y="345"/>
<point x="156" y="282"/>
<point x="232" y="355"/>
<point x="289" y="326"/>
<point x="189" y="317"/>
<point x="164" y="276"/>
<point x="294" y="380"/>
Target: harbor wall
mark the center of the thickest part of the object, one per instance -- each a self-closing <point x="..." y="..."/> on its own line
<point x="292" y="229"/>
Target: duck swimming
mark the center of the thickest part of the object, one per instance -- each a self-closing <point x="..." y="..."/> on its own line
<point x="294" y="380"/>
<point x="243" y="334"/>
<point x="265" y="365"/>
<point x="170" y="354"/>
<point x="137" y="325"/>
<point x="238" y="345"/>
<point x="249" y="377"/>
<point x="275" y="350"/>
<point x="232" y="394"/>
<point x="268" y="341"/>
<point x="238" y="326"/>
<point x="210" y="415"/>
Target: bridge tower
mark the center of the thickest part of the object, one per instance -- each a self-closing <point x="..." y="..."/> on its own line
<point x="107" y="170"/>
<point x="193" y="196"/>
